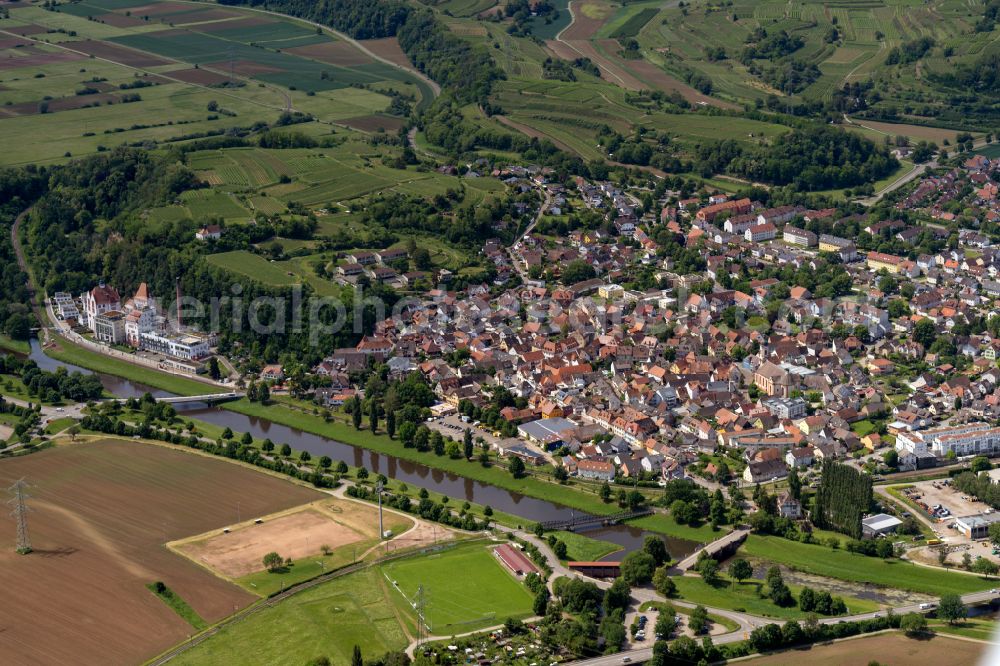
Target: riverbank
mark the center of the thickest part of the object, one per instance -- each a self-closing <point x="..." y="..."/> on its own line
<point x="69" y="352"/>
<point x="16" y="346"/>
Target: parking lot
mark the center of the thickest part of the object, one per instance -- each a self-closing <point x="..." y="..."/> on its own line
<point x="952" y="503"/>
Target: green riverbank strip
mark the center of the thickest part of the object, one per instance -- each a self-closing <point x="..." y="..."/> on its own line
<point x="69" y="352"/>
<point x="840" y="564"/>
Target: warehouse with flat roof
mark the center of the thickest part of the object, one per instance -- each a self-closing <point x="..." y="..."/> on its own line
<point x="879" y="524"/>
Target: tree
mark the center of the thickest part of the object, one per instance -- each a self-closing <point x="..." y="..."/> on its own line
<point x="541" y="603"/>
<point x="560" y="549"/>
<point x="273" y="561"/>
<point x="286" y="450"/>
<point x="356" y="657"/>
<point x="467" y="444"/>
<point x="390" y="423"/>
<point x="605" y="492"/>
<point x="986" y="567"/>
<point x="951" y="609"/>
<point x="637" y="568"/>
<point x="914" y="624"/>
<point x="698" y="620"/>
<point x="777" y="591"/>
<point x="356" y="412"/>
<point x="843" y="497"/>
<point x="740" y="570"/>
<point x="373" y="415"/>
<point x="994" y="534"/>
<point x="794" y="483"/>
<point x="618" y="596"/>
<point x="213" y="368"/>
<point x="684" y="650"/>
<point x="980" y="464"/>
<point x="227" y="433"/>
<point x="264" y="394"/>
<point x="247" y="439"/>
<point x="807" y="600"/>
<point x="925" y="332"/>
<point x="663" y="583"/>
<point x="516" y="467"/>
<point x="708" y="569"/>
<point x="666" y="623"/>
<point x="891" y="459"/>
<point x="655" y="546"/>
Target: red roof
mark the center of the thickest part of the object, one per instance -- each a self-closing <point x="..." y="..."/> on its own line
<point x="104" y="295"/>
<point x="515" y="560"/>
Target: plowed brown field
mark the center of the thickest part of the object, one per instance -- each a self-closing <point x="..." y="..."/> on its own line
<point x="101" y="512"/>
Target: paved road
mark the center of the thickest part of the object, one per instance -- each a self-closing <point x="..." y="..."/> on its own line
<point x="531" y="227"/>
<point x="905" y="178"/>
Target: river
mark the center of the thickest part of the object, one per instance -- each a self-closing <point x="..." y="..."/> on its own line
<point x="456" y="487"/>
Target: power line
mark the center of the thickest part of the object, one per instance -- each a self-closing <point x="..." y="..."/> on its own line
<point x="20" y="514"/>
<point x="378" y="491"/>
<point x="419" y="605"/>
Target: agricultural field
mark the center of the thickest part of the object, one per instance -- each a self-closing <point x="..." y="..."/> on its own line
<point x="890" y="648"/>
<point x="571" y="115"/>
<point x="879" y="130"/>
<point x="93" y="74"/>
<point x="102" y="512"/>
<point x="318" y="177"/>
<point x="253" y="266"/>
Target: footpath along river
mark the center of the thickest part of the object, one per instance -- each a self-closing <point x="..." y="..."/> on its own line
<point x="457" y="487"/>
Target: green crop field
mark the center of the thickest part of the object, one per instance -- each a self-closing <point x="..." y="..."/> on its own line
<point x="213" y="203"/>
<point x="634" y="23"/>
<point x="253" y="266"/>
<point x="452" y="609"/>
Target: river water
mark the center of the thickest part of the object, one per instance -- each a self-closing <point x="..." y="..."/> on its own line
<point x="456" y="487"/>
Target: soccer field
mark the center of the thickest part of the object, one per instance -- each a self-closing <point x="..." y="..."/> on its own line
<point x="465" y="588"/>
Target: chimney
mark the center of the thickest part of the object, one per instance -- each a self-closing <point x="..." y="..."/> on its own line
<point x="178" y="289"/>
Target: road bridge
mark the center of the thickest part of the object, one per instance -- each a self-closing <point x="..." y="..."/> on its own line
<point x="209" y="398"/>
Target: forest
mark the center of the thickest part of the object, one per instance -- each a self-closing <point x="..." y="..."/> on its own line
<point x="18" y="189"/>
<point x="817" y="158"/>
<point x="843" y="497"/>
<point x="361" y="19"/>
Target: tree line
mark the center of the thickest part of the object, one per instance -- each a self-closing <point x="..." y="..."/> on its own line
<point x="843" y="497"/>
